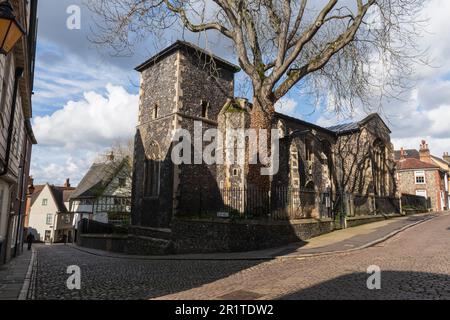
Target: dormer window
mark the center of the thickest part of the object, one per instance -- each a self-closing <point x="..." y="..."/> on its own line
<point x="205" y="108"/>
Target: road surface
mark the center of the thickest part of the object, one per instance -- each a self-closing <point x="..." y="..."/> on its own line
<point x="415" y="264"/>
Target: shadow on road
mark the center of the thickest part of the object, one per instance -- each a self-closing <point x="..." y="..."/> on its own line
<point x="120" y="279"/>
<point x="395" y="285"/>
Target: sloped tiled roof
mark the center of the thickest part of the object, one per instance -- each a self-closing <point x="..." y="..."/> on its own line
<point x="37" y="191"/>
<point x="96" y="179"/>
<point x="409" y="153"/>
<point x="347" y="127"/>
<point x="302" y="122"/>
<point x="412" y="163"/>
<point x="351" y="127"/>
<point x="444" y="165"/>
<point x="59" y="194"/>
<point x="192" y="48"/>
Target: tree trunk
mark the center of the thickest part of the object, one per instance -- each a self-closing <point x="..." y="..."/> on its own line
<point x="261" y="118"/>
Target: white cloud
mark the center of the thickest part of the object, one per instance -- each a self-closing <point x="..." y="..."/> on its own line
<point x="286" y="106"/>
<point x="72" y="137"/>
<point x="94" y="120"/>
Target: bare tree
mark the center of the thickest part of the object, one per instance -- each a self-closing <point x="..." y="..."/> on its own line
<point x="121" y="153"/>
<point x="344" y="50"/>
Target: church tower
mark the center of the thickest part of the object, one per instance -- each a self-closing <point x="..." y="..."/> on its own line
<point x="179" y="86"/>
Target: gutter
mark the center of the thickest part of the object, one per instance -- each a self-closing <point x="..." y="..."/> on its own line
<point x="32" y="37"/>
<point x="17" y="76"/>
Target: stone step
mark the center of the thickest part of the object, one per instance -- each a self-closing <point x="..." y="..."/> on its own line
<point x="158" y="233"/>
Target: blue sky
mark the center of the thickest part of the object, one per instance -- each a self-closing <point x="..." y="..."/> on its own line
<point x="86" y="100"/>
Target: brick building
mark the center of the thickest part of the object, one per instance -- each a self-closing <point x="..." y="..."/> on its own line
<point x="323" y="171"/>
<point x="422" y="174"/>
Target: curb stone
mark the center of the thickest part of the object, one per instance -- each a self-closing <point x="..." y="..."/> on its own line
<point x="29" y="276"/>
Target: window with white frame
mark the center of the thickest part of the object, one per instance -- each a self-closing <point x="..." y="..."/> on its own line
<point x="44" y="202"/>
<point x="49" y="220"/>
<point x="419" y="177"/>
<point x="422" y="193"/>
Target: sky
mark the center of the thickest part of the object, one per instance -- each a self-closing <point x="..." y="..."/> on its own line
<point x="86" y="100"/>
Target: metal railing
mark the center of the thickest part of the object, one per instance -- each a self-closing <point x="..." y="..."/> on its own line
<point x="281" y="203"/>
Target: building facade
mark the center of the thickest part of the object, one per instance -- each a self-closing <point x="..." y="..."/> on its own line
<point x="48" y="217"/>
<point x="104" y="193"/>
<point x="422" y="174"/>
<point x="16" y="135"/>
<point x="323" y="171"/>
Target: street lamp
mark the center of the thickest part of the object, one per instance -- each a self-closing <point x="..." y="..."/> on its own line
<point x="10" y="29"/>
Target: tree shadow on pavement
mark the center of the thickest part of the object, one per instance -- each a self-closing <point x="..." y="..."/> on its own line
<point x="395" y="285"/>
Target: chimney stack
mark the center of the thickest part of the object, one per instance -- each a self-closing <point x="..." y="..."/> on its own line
<point x="446" y="157"/>
<point x="424" y="152"/>
<point x="110" y="156"/>
<point x="67" y="183"/>
<point x="31" y="185"/>
<point x="402" y="154"/>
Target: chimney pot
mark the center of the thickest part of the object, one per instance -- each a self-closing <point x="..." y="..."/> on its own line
<point x="31" y="185"/>
<point x="446" y="157"/>
<point x="402" y="154"/>
<point x="110" y="156"/>
<point x="67" y="183"/>
<point x="424" y="152"/>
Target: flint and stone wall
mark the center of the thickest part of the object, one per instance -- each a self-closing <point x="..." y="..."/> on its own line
<point x="177" y="85"/>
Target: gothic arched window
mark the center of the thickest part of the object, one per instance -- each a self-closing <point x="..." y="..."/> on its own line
<point x="294" y="166"/>
<point x="379" y="168"/>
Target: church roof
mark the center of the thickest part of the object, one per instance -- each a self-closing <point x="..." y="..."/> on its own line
<point x="352" y="127"/>
<point x="346" y="127"/>
<point x="190" y="47"/>
<point x="305" y="123"/>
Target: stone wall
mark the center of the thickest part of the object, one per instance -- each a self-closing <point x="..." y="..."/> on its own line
<point x="357" y="163"/>
<point x="197" y="236"/>
<point x="159" y="88"/>
<point x="178" y="85"/>
<point x="207" y="236"/>
<point x="301" y="171"/>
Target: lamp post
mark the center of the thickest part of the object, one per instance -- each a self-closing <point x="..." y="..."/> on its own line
<point x="10" y="29"/>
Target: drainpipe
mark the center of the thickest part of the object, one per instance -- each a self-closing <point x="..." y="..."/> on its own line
<point x="22" y="194"/>
<point x="17" y="76"/>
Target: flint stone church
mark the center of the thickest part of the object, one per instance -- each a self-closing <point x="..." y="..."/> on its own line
<point x="324" y="172"/>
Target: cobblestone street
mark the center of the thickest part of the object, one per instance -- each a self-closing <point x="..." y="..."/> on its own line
<point x="415" y="265"/>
